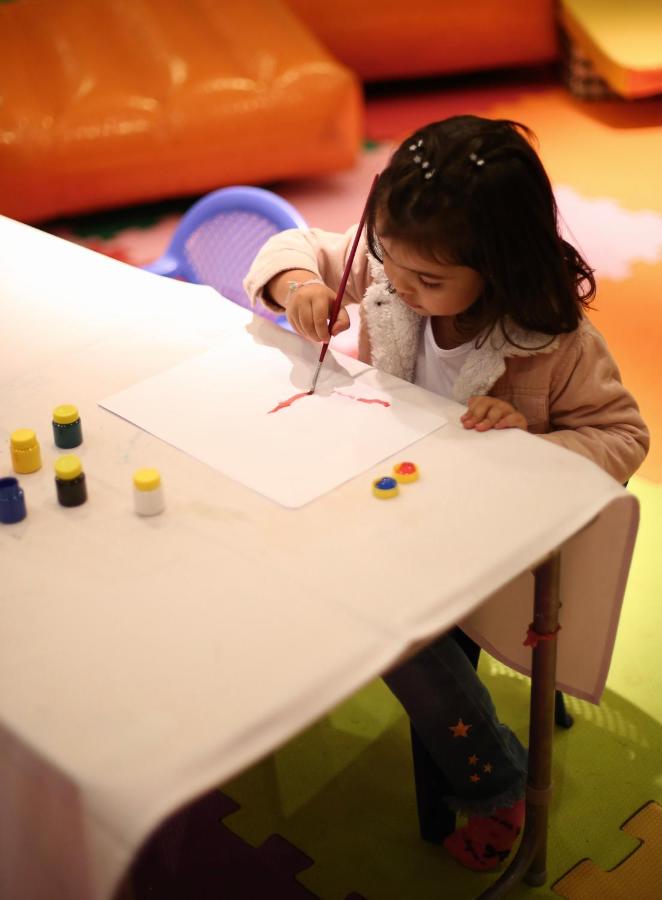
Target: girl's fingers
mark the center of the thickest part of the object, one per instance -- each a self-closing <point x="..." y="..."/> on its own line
<point x="513" y="420"/>
<point x="487" y="412"/>
<point x="307" y="321"/>
<point x="308" y="313"/>
<point x="476" y="412"/>
<point x="310" y="318"/>
<point x="496" y="412"/>
<point x="293" y="319"/>
<point x="484" y="413"/>
<point x="320" y="319"/>
<point x="342" y="322"/>
<point x="492" y="417"/>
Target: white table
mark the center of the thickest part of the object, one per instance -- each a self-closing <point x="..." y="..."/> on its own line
<point x="144" y="660"/>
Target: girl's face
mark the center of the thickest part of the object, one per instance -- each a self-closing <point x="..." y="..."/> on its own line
<point x="427" y="286"/>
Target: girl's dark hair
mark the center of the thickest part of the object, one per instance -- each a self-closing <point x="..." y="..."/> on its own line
<point x="498" y="216"/>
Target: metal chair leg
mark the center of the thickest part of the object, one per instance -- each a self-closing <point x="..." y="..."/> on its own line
<point x="561" y="715"/>
<point x="435" y="818"/>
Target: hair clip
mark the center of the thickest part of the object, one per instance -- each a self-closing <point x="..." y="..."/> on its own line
<point x="479" y="161"/>
<point x="418" y="159"/>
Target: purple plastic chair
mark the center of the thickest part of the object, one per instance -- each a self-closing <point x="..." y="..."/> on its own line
<point x="219" y="237"/>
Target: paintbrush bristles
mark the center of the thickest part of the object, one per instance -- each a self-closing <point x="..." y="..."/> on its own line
<point x="315" y="377"/>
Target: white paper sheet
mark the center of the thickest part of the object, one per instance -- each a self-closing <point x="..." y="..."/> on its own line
<point x="216" y="407"/>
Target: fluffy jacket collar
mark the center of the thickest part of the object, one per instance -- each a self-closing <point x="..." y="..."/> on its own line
<point x="394" y="330"/>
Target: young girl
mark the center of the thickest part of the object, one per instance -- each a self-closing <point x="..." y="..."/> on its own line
<point x="468" y="289"/>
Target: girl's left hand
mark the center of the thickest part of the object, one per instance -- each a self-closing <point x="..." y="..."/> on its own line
<point x="488" y="412"/>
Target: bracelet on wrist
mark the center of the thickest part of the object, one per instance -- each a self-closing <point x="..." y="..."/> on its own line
<point x="293" y="287"/>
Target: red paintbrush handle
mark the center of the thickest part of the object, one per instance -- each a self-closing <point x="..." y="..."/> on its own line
<point x="335" y="309"/>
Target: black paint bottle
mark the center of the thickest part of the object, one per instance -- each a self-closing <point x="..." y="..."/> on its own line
<point x="70" y="481"/>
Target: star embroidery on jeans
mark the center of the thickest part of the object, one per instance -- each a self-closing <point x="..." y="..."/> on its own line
<point x="473" y="760"/>
<point x="460" y="730"/>
<point x="474" y="778"/>
<point x="487" y="767"/>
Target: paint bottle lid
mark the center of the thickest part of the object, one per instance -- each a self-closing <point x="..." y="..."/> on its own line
<point x="68" y="467"/>
<point x="405" y="472"/>
<point x="146" y="479"/>
<point x="385" y="487"/>
<point x="23" y="439"/>
<point x="65" y="414"/>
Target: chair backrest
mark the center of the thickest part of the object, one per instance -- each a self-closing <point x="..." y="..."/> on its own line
<point x="220" y="235"/>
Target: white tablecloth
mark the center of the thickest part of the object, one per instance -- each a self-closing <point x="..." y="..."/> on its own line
<point x="144" y="660"/>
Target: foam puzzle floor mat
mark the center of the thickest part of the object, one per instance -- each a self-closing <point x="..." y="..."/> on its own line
<point x="638" y="875"/>
<point x="195" y="856"/>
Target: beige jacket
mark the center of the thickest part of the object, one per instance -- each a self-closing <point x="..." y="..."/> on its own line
<point x="570" y="391"/>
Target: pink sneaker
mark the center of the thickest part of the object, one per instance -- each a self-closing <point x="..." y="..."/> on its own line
<point x="486" y="841"/>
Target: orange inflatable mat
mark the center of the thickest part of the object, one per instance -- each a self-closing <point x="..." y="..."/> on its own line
<point x="409" y="38"/>
<point x="108" y="103"/>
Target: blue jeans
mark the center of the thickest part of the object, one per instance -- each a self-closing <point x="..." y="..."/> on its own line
<point x="454" y="716"/>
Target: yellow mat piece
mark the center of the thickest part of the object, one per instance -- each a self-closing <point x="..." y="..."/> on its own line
<point x="638" y="876"/>
<point x="622" y="40"/>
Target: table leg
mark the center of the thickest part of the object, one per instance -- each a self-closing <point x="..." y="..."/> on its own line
<point x="529" y="863"/>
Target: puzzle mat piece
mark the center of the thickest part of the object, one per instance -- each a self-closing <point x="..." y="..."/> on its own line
<point x="194" y="854"/>
<point x="343" y="792"/>
<point x="638" y="875"/>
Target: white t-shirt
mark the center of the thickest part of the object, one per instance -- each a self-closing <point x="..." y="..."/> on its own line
<point x="437" y="369"/>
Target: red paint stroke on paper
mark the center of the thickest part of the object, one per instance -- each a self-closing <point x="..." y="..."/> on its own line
<point x="363" y="399"/>
<point x="285" y="403"/>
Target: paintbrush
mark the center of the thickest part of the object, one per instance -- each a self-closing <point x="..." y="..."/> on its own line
<point x="335" y="309"/>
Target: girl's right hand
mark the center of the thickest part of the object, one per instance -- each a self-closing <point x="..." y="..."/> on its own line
<point x="308" y="310"/>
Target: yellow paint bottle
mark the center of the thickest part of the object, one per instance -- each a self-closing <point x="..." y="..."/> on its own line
<point x="25" y="451"/>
